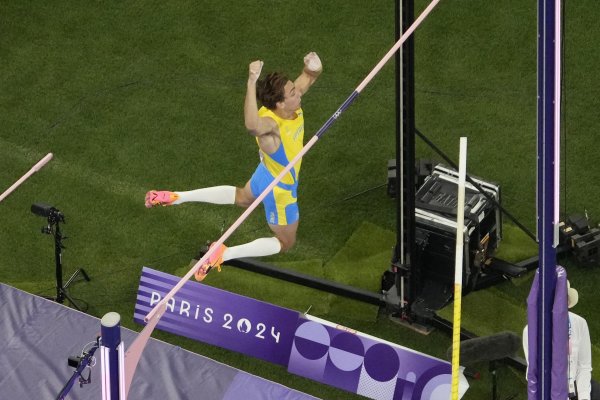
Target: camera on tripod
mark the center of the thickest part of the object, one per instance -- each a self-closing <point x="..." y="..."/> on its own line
<point x="55" y="217"/>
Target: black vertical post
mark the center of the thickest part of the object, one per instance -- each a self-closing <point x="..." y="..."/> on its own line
<point x="404" y="251"/>
<point x="408" y="128"/>
<point x="60" y="297"/>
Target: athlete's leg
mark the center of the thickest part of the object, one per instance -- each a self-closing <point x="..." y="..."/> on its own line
<point x="286" y="214"/>
<point x="263" y="246"/>
<point x="215" y="195"/>
<point x="257" y="248"/>
<point x="244" y="196"/>
<point x="286" y="234"/>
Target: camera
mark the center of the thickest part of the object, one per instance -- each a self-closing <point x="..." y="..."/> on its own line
<point x="47" y="211"/>
<point x="74" y="361"/>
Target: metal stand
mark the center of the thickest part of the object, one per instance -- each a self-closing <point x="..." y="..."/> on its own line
<point x="54" y="219"/>
<point x="494" y="373"/>
<point x="81" y="364"/>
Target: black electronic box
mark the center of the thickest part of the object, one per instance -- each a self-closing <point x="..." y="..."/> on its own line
<point x="435" y="218"/>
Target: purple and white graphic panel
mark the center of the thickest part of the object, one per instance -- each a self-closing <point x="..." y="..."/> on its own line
<point x="217" y="317"/>
<point x="366" y="365"/>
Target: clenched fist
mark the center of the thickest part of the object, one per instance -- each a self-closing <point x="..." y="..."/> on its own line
<point x="312" y="62"/>
<point x="254" y="70"/>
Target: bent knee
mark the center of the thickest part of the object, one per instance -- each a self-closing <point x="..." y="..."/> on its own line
<point x="243" y="197"/>
<point x="286" y="243"/>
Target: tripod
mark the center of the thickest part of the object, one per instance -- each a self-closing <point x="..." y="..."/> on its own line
<point x="54" y="219"/>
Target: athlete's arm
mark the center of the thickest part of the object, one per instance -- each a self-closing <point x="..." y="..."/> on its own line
<point x="311" y="71"/>
<point x="257" y="126"/>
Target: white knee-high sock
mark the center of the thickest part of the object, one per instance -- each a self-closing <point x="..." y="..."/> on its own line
<point x="257" y="248"/>
<point x="215" y="195"/>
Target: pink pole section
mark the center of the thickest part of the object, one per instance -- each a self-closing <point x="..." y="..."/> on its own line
<point x="396" y="46"/>
<point x="135" y="351"/>
<point x="32" y="171"/>
<point x="557" y="94"/>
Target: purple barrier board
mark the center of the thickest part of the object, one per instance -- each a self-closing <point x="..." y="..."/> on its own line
<point x="305" y="345"/>
<point x="366" y="365"/>
<point x="217" y="317"/>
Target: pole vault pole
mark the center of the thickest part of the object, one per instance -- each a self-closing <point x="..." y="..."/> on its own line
<point x="458" y="266"/>
<point x="135" y="351"/>
<point x="32" y="171"/>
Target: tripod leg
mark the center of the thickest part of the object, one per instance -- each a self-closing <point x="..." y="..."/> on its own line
<point x="85" y="275"/>
<point x="75" y="275"/>
<point x="68" y="297"/>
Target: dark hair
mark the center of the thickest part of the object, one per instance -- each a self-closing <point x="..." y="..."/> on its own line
<point x="271" y="89"/>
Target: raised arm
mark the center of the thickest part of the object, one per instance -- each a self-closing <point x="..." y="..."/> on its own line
<point x="256" y="125"/>
<point x="311" y="71"/>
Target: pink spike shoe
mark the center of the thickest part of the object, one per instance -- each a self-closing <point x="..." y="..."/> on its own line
<point x="214" y="261"/>
<point x="160" y="198"/>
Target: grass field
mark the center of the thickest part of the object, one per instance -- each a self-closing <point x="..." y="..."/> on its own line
<point x="139" y="95"/>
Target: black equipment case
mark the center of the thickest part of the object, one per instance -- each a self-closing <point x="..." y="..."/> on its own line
<point x="435" y="215"/>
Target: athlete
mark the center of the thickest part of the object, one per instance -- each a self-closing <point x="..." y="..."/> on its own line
<point x="278" y="126"/>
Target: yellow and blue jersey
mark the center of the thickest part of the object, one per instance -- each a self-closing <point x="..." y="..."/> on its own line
<point x="281" y="206"/>
<point x="291" y="133"/>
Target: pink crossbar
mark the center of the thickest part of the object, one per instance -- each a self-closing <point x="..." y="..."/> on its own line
<point x="32" y="171"/>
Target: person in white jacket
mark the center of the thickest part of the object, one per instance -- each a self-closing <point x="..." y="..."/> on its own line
<point x="581" y="385"/>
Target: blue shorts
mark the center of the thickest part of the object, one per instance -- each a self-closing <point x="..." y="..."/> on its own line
<point x="281" y="205"/>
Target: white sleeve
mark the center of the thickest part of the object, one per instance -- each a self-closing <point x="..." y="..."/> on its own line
<point x="584" y="365"/>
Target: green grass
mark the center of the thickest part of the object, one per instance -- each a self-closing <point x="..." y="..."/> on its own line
<point x="131" y="96"/>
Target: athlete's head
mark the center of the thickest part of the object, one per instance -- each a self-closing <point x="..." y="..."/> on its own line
<point x="277" y="91"/>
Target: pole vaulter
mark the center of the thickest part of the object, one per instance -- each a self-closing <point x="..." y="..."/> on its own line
<point x="134" y="352"/>
<point x="32" y="171"/>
